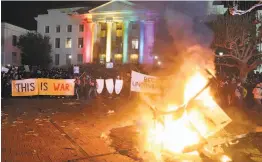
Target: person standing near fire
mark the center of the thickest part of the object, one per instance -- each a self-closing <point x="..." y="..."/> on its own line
<point x="77" y="87"/>
<point x="240" y="94"/>
<point x="257" y="91"/>
<point x="84" y="86"/>
<point x="92" y="88"/>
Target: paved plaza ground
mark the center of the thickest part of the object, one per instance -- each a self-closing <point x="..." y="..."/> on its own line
<point x="44" y="129"/>
<point x="59" y="130"/>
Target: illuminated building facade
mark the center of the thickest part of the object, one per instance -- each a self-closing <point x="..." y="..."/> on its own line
<point x="117" y="31"/>
<point x="10" y="54"/>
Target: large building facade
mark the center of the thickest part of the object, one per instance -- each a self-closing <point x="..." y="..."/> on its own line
<point x="118" y="31"/>
<point x="10" y="54"/>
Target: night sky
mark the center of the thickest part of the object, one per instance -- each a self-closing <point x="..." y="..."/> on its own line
<point x="22" y="13"/>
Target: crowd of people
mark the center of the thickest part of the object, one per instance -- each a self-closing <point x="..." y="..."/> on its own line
<point x="230" y="91"/>
<point x="84" y="84"/>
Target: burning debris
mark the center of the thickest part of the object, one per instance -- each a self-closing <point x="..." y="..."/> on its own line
<point x="193" y="131"/>
<point x="196" y="120"/>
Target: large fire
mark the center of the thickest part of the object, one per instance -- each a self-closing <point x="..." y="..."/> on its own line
<point x="177" y="134"/>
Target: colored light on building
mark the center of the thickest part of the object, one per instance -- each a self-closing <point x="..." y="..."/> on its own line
<point x="125" y="41"/>
<point x="87" y="42"/>
<point x="108" y="41"/>
<point x="141" y="42"/>
<point x="149" y="43"/>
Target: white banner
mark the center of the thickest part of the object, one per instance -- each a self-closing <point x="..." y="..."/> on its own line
<point x="4" y="69"/>
<point x="110" y="85"/>
<point x="144" y="83"/>
<point x="76" y="69"/>
<point x="118" y="86"/>
<point x="99" y="85"/>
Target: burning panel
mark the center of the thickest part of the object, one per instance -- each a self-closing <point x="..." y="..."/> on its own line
<point x="205" y="114"/>
<point x="208" y="120"/>
<point x="201" y="119"/>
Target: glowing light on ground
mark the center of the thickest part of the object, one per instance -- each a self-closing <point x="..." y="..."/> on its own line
<point x="225" y="158"/>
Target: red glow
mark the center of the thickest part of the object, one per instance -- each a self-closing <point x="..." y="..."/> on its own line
<point x="87" y="46"/>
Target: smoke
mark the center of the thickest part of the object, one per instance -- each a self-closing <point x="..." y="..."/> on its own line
<point x="186" y="19"/>
<point x="189" y="50"/>
<point x="191" y="37"/>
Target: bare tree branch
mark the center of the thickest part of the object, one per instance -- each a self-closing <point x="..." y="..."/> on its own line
<point x="252" y="55"/>
<point x="229" y="56"/>
<point x="227" y="65"/>
<point x="238" y="37"/>
<point x="255" y="65"/>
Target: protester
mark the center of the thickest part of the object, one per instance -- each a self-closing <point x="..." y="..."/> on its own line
<point x="239" y="95"/>
<point x="77" y="87"/>
<point x="92" y="88"/>
<point x="258" y="95"/>
<point x="229" y="92"/>
<point x="84" y="87"/>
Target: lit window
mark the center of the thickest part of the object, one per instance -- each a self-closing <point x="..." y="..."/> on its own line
<point x="133" y="58"/>
<point x="119" y="31"/>
<point x="135" y="44"/>
<point x="68" y="43"/>
<point x="80" y="42"/>
<point x="118" y="58"/>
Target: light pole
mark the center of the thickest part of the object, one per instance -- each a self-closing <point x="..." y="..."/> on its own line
<point x="220" y="67"/>
<point x="70" y="57"/>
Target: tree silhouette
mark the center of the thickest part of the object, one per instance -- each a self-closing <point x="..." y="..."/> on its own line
<point x="238" y="38"/>
<point x="35" y="49"/>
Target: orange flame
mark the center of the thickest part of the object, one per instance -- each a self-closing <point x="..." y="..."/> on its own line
<point x="175" y="135"/>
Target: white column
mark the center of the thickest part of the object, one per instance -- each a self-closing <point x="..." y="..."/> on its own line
<point x="108" y="41"/>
